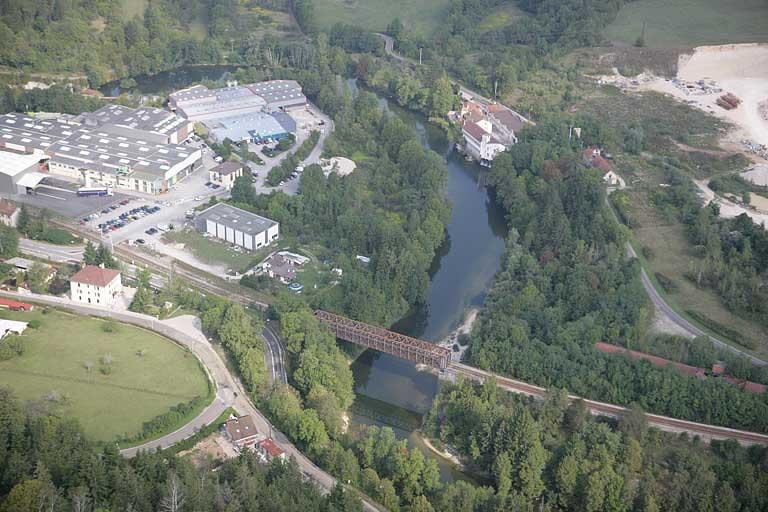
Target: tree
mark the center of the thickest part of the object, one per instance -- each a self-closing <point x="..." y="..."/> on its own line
<point x="38" y="277"/>
<point x="9" y="241"/>
<point x="634" y="422"/>
<point x="90" y="254"/>
<point x="24" y="220"/>
<point x="174" y="495"/>
<point x="242" y="190"/>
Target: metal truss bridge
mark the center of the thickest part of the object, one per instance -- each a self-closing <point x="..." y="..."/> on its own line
<point x="389" y="342"/>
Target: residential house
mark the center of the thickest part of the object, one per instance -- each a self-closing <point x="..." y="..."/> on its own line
<point x="242" y="432"/>
<point x="269" y="449"/>
<point x="480" y="143"/>
<point x="97" y="286"/>
<point x="593" y="157"/>
<point x="226" y="173"/>
<point x="279" y="267"/>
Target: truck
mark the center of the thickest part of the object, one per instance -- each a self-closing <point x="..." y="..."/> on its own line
<point x="95" y="191"/>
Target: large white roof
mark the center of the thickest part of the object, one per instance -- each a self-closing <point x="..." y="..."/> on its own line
<point x="12" y="163"/>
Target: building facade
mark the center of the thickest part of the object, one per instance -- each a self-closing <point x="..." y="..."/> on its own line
<point x="226" y="173"/>
<point x="237" y="226"/>
<point x="242" y="432"/>
<point x="96" y="286"/>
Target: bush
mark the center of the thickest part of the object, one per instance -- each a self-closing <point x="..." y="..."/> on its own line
<point x="109" y="326"/>
<point x="723" y="330"/>
<point x="648" y="253"/>
<point x="12" y="346"/>
<point x="35" y="324"/>
<point x="665" y="282"/>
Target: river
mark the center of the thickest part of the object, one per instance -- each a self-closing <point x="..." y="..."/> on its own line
<point x="391" y="391"/>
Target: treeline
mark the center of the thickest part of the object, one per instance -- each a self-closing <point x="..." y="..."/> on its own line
<point x="391" y="209"/>
<point x="552" y="456"/>
<point x="567" y="283"/>
<point x="46" y="463"/>
<point x="58" y="98"/>
<point x="733" y="253"/>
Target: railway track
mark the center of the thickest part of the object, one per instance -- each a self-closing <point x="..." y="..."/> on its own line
<point x="707" y="432"/>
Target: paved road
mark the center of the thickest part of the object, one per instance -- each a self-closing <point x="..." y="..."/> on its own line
<point x="665" y="309"/>
<point x="276" y="359"/>
<point x="51" y="252"/>
<point x="230" y="392"/>
<point x="706" y="432"/>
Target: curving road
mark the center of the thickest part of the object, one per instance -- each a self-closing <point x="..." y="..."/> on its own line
<point x="276" y="359"/>
<point x="230" y="392"/>
<point x="665" y="309"/>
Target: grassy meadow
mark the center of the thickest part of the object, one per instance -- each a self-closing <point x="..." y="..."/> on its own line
<point x="423" y="16"/>
<point x="107" y="405"/>
<point x="688" y="23"/>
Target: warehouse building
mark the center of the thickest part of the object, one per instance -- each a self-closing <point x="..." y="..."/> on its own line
<point x="95" y="155"/>
<point x="21" y="172"/>
<point x="199" y="103"/>
<point x="153" y="124"/>
<point x="255" y="127"/>
<point x="238" y="227"/>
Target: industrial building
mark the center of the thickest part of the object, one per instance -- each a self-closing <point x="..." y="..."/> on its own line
<point x="199" y="103"/>
<point x="152" y="124"/>
<point x="238" y="227"/>
<point x="242" y="113"/>
<point x="254" y="127"/>
<point x="105" y="154"/>
<point x="20" y="171"/>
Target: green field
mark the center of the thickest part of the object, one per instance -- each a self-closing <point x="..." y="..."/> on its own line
<point x="423" y="16"/>
<point x="138" y="388"/>
<point x="217" y="252"/>
<point x="688" y="23"/>
<point x="501" y="17"/>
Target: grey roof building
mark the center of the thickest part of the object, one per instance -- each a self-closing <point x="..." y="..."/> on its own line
<point x="93" y="153"/>
<point x="252" y="127"/>
<point x="145" y="122"/>
<point x="237" y="226"/>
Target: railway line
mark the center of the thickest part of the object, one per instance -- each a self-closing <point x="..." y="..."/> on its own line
<point x="665" y="423"/>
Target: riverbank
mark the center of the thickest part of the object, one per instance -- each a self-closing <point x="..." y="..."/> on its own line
<point x="453" y="340"/>
<point x="445" y="454"/>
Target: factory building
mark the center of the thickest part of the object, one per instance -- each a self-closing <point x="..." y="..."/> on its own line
<point x="21" y="171"/>
<point x="255" y="127"/>
<point x="199" y="103"/>
<point x="238" y="227"/>
<point x="153" y="124"/>
<point x="100" y="155"/>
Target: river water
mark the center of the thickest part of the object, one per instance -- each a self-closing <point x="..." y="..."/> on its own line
<point x="390" y="391"/>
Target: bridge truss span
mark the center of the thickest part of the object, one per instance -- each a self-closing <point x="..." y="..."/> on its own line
<point x="380" y="339"/>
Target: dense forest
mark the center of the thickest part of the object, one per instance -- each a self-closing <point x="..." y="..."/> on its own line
<point x="47" y="464"/>
<point x="551" y="456"/>
<point x="567" y="283"/>
<point x="392" y="209"/>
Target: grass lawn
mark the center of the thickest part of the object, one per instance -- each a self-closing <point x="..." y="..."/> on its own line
<point x="687" y="23"/>
<point x="217" y="252"/>
<point x="138" y="389"/>
<point x="501" y="17"/>
<point x="423" y="16"/>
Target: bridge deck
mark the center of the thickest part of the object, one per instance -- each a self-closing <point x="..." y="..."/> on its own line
<point x="380" y="339"/>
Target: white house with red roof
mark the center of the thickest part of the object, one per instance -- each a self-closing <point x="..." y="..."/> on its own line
<point x="97" y="286"/>
<point x="269" y="449"/>
<point x="593" y="157"/>
<point x="479" y="141"/>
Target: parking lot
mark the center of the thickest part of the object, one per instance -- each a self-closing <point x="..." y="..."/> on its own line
<point x="66" y="202"/>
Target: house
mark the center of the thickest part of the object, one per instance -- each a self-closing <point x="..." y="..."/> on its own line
<point x="480" y="143"/>
<point x="14" y="305"/>
<point x="237" y="226"/>
<point x="226" y="173"/>
<point x="9" y="214"/>
<point x="279" y="267"/>
<point x="593" y="157"/>
<point x="242" y="432"/>
<point x="11" y="327"/>
<point x="269" y="449"/>
<point x="96" y="286"/>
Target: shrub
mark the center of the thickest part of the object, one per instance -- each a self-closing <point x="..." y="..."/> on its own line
<point x="723" y="330"/>
<point x="665" y="282"/>
<point x="35" y="324"/>
<point x="109" y="326"/>
<point x="648" y="253"/>
<point x="12" y="346"/>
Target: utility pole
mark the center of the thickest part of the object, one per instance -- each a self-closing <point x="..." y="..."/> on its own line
<point x="495" y="88"/>
<point x="420" y="50"/>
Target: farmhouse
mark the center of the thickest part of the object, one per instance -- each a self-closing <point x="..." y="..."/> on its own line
<point x="238" y="227"/>
<point x="226" y="173"/>
<point x="96" y="285"/>
<point x="242" y="432"/>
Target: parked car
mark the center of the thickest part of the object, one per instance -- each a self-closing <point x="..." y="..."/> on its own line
<point x="151" y="231"/>
<point x="140" y="241"/>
